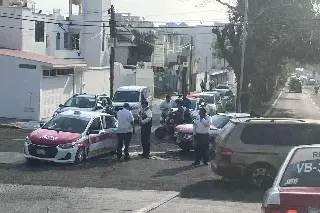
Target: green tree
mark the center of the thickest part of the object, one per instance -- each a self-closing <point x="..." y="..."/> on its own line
<point x="144" y="43"/>
<point x="277" y="31"/>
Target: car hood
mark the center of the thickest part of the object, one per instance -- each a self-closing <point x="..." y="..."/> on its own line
<point x="188" y="128"/>
<point x="52" y="137"/>
<point x="63" y="109"/>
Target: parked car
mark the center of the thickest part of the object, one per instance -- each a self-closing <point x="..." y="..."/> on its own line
<point x="223" y="86"/>
<point x="295" y="85"/>
<point x="296" y="188"/>
<point x="133" y="95"/>
<point x="213" y="102"/>
<point x="228" y="99"/>
<point x="72" y="137"/>
<point x="83" y="102"/>
<point x="257" y="146"/>
<point x="184" y="132"/>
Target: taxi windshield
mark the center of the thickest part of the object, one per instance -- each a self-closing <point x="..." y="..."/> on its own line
<point x="219" y="121"/>
<point x="67" y="124"/>
<point x="81" y="102"/>
<point x="303" y="169"/>
<point x="209" y="99"/>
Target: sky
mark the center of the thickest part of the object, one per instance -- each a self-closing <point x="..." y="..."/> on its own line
<point x="159" y="11"/>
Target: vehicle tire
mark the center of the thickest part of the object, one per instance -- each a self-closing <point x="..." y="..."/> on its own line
<point x="257" y="173"/>
<point x="160" y="133"/>
<point x="31" y="161"/>
<point x="80" y="156"/>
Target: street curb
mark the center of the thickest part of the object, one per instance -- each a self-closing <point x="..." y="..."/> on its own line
<point x="9" y="126"/>
<point x="273" y="104"/>
<point x="156" y="205"/>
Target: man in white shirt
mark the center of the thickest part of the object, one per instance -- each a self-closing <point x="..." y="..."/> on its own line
<point x="146" y="124"/>
<point x="125" y="129"/>
<point x="165" y="107"/>
<point x="201" y="128"/>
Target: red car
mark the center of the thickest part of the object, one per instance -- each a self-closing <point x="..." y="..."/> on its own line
<point x="184" y="133"/>
<point x="296" y="189"/>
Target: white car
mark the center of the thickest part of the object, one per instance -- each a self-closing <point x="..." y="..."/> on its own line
<point x="296" y="188"/>
<point x="72" y="137"/>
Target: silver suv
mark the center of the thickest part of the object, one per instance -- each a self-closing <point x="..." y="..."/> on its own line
<point x="255" y="148"/>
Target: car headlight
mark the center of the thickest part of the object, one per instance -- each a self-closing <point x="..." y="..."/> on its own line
<point x="28" y="141"/>
<point x="67" y="145"/>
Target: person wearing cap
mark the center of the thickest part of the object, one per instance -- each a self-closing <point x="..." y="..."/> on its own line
<point x="146" y="124"/>
<point x="125" y="129"/>
<point x="201" y="128"/>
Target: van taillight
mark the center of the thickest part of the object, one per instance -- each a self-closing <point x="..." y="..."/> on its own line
<point x="225" y="151"/>
<point x="225" y="154"/>
<point x="283" y="209"/>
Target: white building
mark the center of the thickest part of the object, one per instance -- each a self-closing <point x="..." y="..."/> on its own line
<point x="124" y="51"/>
<point x="46" y="59"/>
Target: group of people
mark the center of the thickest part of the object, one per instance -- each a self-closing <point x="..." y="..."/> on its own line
<point x="126" y="128"/>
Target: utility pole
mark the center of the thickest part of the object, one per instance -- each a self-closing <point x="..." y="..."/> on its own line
<point x="206" y="71"/>
<point x="244" y="39"/>
<point x="112" y="24"/>
<point x="190" y="64"/>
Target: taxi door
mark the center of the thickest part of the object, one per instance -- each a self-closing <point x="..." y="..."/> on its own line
<point x="109" y="124"/>
<point x="97" y="138"/>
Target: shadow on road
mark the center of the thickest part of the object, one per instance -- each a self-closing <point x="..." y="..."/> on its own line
<point x="281" y="113"/>
<point x="221" y="190"/>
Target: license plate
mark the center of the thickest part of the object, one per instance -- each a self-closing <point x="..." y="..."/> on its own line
<point x="314" y="210"/>
<point x="41" y="152"/>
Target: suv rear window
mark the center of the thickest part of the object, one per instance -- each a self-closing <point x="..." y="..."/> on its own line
<point x="281" y="134"/>
<point x="303" y="169"/>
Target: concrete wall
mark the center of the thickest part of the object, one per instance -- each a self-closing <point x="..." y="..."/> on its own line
<point x="19" y="89"/>
<point x="122" y="54"/>
<point x="56" y="90"/>
<point x="145" y="77"/>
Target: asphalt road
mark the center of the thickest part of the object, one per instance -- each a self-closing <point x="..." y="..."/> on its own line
<point x="167" y="170"/>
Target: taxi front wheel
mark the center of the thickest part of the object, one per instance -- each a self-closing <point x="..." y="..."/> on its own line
<point x="80" y="156"/>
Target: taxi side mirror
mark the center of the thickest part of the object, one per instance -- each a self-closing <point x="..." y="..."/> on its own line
<point x="41" y="124"/>
<point x="60" y="105"/>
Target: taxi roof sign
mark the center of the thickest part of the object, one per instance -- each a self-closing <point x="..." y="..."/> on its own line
<point x="76" y="112"/>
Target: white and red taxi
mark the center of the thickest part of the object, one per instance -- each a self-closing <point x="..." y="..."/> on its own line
<point x="72" y="137"/>
<point x="296" y="189"/>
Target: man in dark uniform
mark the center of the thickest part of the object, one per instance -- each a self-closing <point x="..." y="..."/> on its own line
<point x="146" y="124"/>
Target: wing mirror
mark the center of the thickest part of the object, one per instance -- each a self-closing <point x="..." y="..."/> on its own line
<point x="60" y="105"/>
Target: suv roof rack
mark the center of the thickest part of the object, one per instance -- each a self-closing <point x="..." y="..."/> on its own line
<point x="274" y="119"/>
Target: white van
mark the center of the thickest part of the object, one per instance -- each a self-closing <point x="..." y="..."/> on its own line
<point x="133" y="95"/>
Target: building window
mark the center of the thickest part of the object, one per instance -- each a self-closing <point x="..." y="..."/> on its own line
<point x="57" y="72"/>
<point x="39" y="31"/>
<point x="58" y="41"/>
<point x="71" y="41"/>
<point x="103" y="36"/>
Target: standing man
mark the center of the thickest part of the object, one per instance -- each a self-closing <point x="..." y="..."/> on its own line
<point x="201" y="127"/>
<point x="125" y="129"/>
<point x="165" y="107"/>
<point x="146" y="124"/>
<point x="203" y="86"/>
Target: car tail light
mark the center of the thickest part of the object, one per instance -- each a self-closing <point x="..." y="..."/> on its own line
<point x="283" y="209"/>
<point x="225" y="151"/>
<point x="225" y="154"/>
